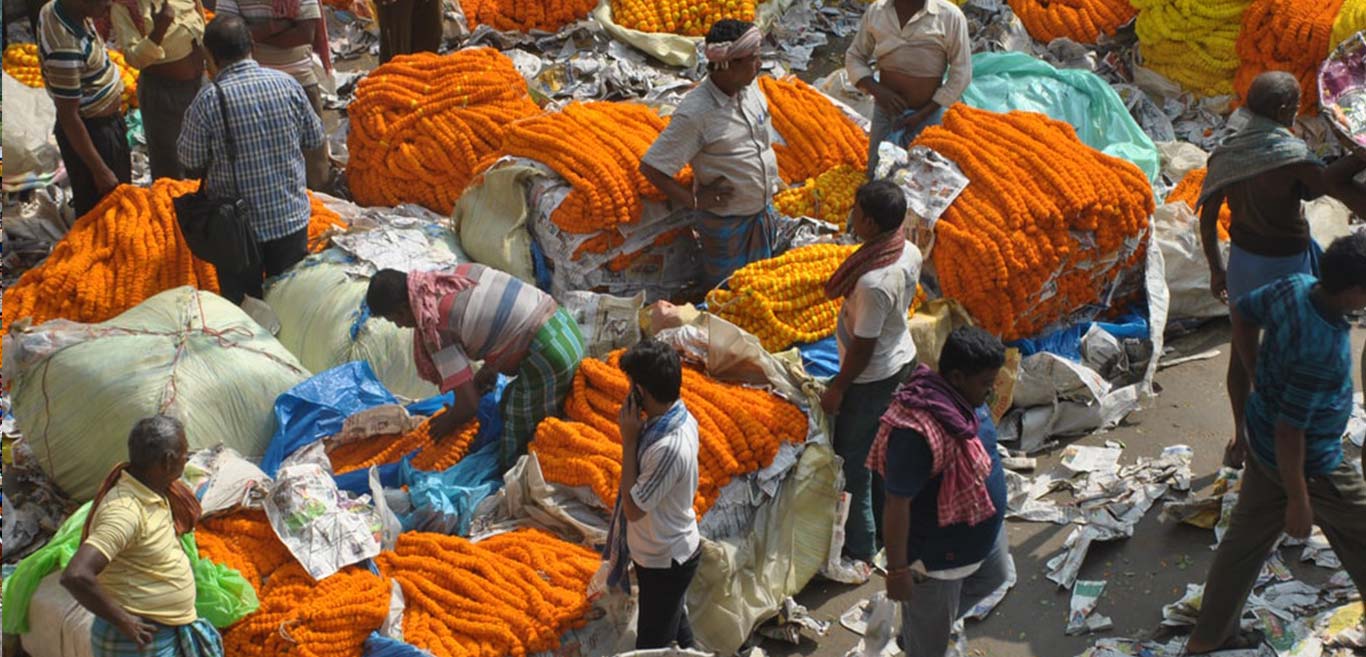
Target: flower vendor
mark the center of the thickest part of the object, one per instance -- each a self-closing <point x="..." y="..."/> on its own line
<point x="474" y="313"/>
<point x="653" y="522"/>
<point x="86" y="89"/>
<point x="1263" y="172"/>
<point x="1298" y="410"/>
<point x="270" y="122"/>
<point x="131" y="570"/>
<point x="723" y="129"/>
<point x="947" y="548"/>
<point x="409" y="26"/>
<point x="923" y="59"/>
<point x="162" y="41"/>
<point x="877" y="283"/>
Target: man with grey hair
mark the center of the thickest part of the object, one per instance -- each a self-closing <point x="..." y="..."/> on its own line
<point x="1263" y="172"/>
<point x="131" y="570"/>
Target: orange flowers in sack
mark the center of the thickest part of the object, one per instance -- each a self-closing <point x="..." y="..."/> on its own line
<point x="1188" y="191"/>
<point x="818" y="135"/>
<point x="1083" y="21"/>
<point x="1286" y="35"/>
<point x="526" y="15"/>
<point x="382" y="450"/>
<point x="422" y="123"/>
<point x="299" y="616"/>
<point x="1046" y="225"/>
<point x="688" y="17"/>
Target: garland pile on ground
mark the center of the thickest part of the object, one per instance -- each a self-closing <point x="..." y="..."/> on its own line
<point x="1046" y="226"/>
<point x="1351" y="19"/>
<point x="1188" y="191"/>
<point x="1286" y="35"/>
<point x="525" y="15"/>
<point x="687" y="17"/>
<point x="740" y="431"/>
<point x="21" y="63"/>
<point x="818" y="136"/>
<point x="828" y="197"/>
<point x="421" y="124"/>
<point x="1083" y="21"/>
<point x="245" y="541"/>
<point x="1192" y="42"/>
<point x="299" y="616"/>
<point x="383" y="450"/>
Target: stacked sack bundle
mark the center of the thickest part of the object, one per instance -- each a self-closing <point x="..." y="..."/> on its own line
<point x="817" y="136"/>
<point x="21" y="63"/>
<point x="525" y="15"/>
<point x="1192" y="42"/>
<point x="740" y="431"/>
<point x="1188" y="191"/>
<point x="1287" y="35"/>
<point x="1047" y="226"/>
<point x="421" y="124"/>
<point x="1083" y="21"/>
<point x="688" y="18"/>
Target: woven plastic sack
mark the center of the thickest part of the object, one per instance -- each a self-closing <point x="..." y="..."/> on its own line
<point x="78" y="389"/>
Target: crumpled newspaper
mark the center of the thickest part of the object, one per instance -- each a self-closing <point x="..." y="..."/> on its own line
<point x="930" y="181"/>
<point x="324" y="528"/>
<point x="222" y="480"/>
<point x="1085" y="596"/>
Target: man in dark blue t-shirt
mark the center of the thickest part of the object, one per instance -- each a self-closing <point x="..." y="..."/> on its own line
<point x="1296" y="416"/>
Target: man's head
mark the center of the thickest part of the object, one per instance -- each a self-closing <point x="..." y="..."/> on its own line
<point x="1342" y="272"/>
<point x="158" y="451"/>
<point x="228" y="40"/>
<point x="387" y="297"/>
<point x="88" y="8"/>
<point x="1275" y="95"/>
<point x="879" y="207"/>
<point x="732" y="49"/>
<point x="970" y="360"/>
<point x="655" y="370"/>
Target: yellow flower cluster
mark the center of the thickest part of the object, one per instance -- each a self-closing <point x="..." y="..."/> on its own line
<point x="129" y="75"/>
<point x="1351" y="19"/>
<point x="1192" y="42"/>
<point x="828" y="197"/>
<point x="685" y="17"/>
<point x="21" y="63"/>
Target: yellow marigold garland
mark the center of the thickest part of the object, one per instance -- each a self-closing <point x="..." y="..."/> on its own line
<point x="1083" y="21"/>
<point x="526" y="15"/>
<point x="829" y="196"/>
<point x="422" y="123"/>
<point x="818" y="136"/>
<point x="1286" y="35"/>
<point x="1188" y="191"/>
<point x="21" y="63"/>
<point x="1192" y="42"/>
<point x="1351" y="19"/>
<point x="688" y="18"/>
<point x="299" y="616"/>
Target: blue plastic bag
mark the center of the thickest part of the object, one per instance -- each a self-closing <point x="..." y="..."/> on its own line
<point x="317" y="408"/>
<point x="444" y="502"/>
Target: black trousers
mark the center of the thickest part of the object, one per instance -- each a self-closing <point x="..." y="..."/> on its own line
<point x="109" y="135"/>
<point x="409" y="26"/>
<point x="663" y="618"/>
<point x="276" y="257"/>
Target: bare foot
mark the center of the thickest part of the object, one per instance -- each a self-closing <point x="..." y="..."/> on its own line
<point x="1235" y="454"/>
<point x="1244" y="640"/>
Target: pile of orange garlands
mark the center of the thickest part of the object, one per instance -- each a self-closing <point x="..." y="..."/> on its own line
<point x="298" y="616"/>
<point x="1188" y="192"/>
<point x="421" y="124"/>
<point x="1083" y="21"/>
<point x="1005" y="248"/>
<point x="818" y="136"/>
<point x="243" y="540"/>
<point x="511" y="594"/>
<point x="1286" y="35"/>
<point x="382" y="450"/>
<point x="740" y="430"/>
<point x="126" y="249"/>
<point x="525" y="15"/>
<point x="688" y="18"/>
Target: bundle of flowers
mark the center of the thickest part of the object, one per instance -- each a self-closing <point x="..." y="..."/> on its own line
<point x="382" y="450"/>
<point x="421" y="124"/>
<point x="1083" y="21"/>
<point x="21" y="63"/>
<point x="1192" y="42"/>
<point x="525" y="15"/>
<point x="299" y="616"/>
<point x="1286" y="35"/>
<point x="1351" y="19"/>
<point x="688" y="18"/>
<point x="828" y="197"/>
<point x="818" y="136"/>
<point x="1188" y="191"/>
<point x="243" y="540"/>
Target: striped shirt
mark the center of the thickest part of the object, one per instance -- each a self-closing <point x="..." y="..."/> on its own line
<point x="75" y="64"/>
<point x="1304" y="373"/>
<point x="297" y="61"/>
<point x="664" y="490"/>
<point x="493" y="320"/>
<point x="272" y="125"/>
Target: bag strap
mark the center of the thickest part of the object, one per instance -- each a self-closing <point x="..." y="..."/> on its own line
<point x="231" y="144"/>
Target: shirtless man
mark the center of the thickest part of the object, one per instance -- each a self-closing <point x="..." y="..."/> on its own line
<point x="912" y="43"/>
<point x="1263" y="172"/>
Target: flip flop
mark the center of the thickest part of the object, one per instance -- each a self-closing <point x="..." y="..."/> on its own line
<point x="1244" y="640"/>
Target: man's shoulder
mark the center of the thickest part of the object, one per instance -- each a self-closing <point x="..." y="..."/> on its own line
<point x="950" y="10"/>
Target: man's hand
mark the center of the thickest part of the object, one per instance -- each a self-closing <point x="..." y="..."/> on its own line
<point x="913" y="121"/>
<point x="714" y="194"/>
<point x="832" y="398"/>
<point x="1218" y="284"/>
<point x="485" y="378"/>
<point x="444" y="425"/>
<point x="105" y="180"/>
<point x="140" y="631"/>
<point x="162" y="20"/>
<point x="899" y="585"/>
<point x="1235" y="454"/>
<point x="1299" y="518"/>
<point x="629" y="422"/>
<point x="887" y="100"/>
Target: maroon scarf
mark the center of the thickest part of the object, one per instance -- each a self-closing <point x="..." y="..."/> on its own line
<point x="425" y="291"/>
<point x="185" y="507"/>
<point x="880" y="252"/>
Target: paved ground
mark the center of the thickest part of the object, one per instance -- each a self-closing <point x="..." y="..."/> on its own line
<point x="1144" y="573"/>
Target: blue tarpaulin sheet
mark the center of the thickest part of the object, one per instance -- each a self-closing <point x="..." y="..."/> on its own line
<point x="444" y="502"/>
<point x="821" y="358"/>
<point x="1067" y="342"/>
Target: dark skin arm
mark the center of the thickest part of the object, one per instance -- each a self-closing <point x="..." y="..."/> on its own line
<point x="1209" y="241"/>
<point x="69" y="117"/>
<point x="457" y="413"/>
<point x="629" y="423"/>
<point x="896" y="527"/>
<point x="708" y="196"/>
<point x="81" y="580"/>
<point x="1335" y="180"/>
<point x="856" y="359"/>
<point x="285" y="33"/>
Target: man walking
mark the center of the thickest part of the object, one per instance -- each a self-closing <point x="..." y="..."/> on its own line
<point x="1296" y="474"/>
<point x="409" y="26"/>
<point x="272" y="125"/>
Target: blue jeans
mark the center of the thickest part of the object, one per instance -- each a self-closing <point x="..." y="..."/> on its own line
<point x="856" y="425"/>
<point x="881" y="131"/>
<point x="927" y="619"/>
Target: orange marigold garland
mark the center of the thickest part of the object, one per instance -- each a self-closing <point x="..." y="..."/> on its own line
<point x="1083" y="21"/>
<point x="818" y="136"/>
<point x="21" y="63"/>
<point x="526" y="15"/>
<point x="1188" y="192"/>
<point x="828" y="197"/>
<point x="1286" y="35"/>
<point x="299" y="616"/>
<point x="422" y="123"/>
<point x="688" y="18"/>
<point x="382" y="450"/>
<point x="243" y="540"/>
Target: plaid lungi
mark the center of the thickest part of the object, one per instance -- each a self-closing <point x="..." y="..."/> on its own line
<point x="198" y="639"/>
<point x="729" y="243"/>
<point x="542" y="383"/>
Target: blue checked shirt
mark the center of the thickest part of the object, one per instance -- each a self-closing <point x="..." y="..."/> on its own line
<point x="272" y="125"/>
<point x="1304" y="373"/>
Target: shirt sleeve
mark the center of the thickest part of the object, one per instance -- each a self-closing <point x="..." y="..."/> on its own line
<point x="308" y="10"/>
<point x="860" y="51"/>
<point x="1310" y="390"/>
<point x="660" y="468"/>
<point x="227" y="8"/>
<point x="871" y="307"/>
<point x="116" y="525"/>
<point x="959" y="47"/>
<point x="139" y="49"/>
<point x="62" y="67"/>
<point x="680" y="142"/>
<point x="909" y="463"/>
<point x="192" y="147"/>
<point x="453" y="366"/>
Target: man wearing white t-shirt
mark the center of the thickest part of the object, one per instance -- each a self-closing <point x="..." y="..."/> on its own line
<point x="877" y="283"/>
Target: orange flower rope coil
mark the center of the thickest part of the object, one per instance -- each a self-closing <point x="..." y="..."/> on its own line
<point x="526" y="15"/>
<point x="818" y="136"/>
<point x="243" y="540"/>
<point x="299" y="616"/>
<point x="688" y="18"/>
<point x="382" y="450"/>
<point x="1188" y="192"/>
<point x="1083" y="21"/>
<point x="1286" y="35"/>
<point x="422" y="123"/>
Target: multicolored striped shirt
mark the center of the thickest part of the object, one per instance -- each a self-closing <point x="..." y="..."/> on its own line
<point x="75" y="64"/>
<point x="296" y="61"/>
<point x="1304" y="372"/>
<point x="494" y="321"/>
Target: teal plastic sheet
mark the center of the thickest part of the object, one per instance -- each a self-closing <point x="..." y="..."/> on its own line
<point x="1002" y="82"/>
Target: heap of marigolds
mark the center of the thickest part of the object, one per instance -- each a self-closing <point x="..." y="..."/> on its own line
<point x="1083" y="21"/>
<point x="1287" y="35"/>
<point x="21" y="63"/>
<point x="125" y="250"/>
<point x="420" y="124"/>
<point x="525" y="15"/>
<point x="828" y="197"/>
<point x="1195" y="44"/>
<point x="1188" y="191"/>
<point x="817" y="136"/>
<point x="740" y="431"/>
<point x="382" y="450"/>
<point x="685" y="17"/>
<point x="1007" y="247"/>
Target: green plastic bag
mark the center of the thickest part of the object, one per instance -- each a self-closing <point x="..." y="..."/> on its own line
<point x="222" y="595"/>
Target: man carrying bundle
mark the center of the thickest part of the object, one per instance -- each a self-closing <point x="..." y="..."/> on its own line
<point x="479" y="313"/>
<point x="878" y="285"/>
<point x="131" y="570"/>
<point x="1263" y="172"/>
<point x="723" y="129"/>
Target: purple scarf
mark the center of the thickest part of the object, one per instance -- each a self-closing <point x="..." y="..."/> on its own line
<point x="929" y="391"/>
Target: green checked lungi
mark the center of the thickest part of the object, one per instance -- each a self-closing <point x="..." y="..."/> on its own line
<point x="198" y="639"/>
<point x="542" y="383"/>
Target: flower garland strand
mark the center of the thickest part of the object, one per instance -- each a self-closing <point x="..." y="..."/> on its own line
<point x="818" y="136"/>
<point x="526" y="15"/>
<point x="21" y="63"/>
<point x="1192" y="42"/>
<point x="688" y="18"/>
<point x="299" y="616"/>
<point x="828" y="197"/>
<point x="1083" y="21"/>
<point x="383" y="450"/>
<point x="1188" y="191"/>
<point x="1286" y="35"/>
<point x="243" y="540"/>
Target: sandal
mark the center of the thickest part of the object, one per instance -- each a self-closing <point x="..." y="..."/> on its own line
<point x="1243" y="640"/>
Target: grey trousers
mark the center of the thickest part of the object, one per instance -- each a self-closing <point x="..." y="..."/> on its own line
<point x="317" y="164"/>
<point x="936" y="604"/>
<point x="163" y="103"/>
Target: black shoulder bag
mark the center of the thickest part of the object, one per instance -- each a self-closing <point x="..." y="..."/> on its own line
<point x="218" y="228"/>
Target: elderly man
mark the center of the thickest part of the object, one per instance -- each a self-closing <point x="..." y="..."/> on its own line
<point x="162" y="41"/>
<point x="479" y="313"/>
<point x="131" y="571"/>
<point x="1263" y="172"/>
<point x="272" y="126"/>
<point x="722" y="128"/>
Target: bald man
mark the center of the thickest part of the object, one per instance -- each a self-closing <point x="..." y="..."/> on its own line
<point x="1263" y="173"/>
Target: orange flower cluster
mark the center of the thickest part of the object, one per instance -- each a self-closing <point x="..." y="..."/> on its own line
<point x="511" y="594"/>
<point x="243" y="540"/>
<point x="526" y="15"/>
<point x="1286" y="35"/>
<point x="740" y="430"/>
<point x="299" y="616"/>
<point x="688" y="18"/>
<point x="421" y="123"/>
<point x="382" y="450"/>
<point x="21" y="63"/>
<point x="129" y="75"/>
<point x="1006" y="247"/>
<point x="1188" y="191"/>
<point x="1083" y="21"/>
<point x="828" y="197"/>
<point x="818" y="136"/>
